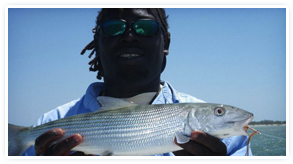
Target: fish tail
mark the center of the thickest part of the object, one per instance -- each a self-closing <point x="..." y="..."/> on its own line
<point x="16" y="145"/>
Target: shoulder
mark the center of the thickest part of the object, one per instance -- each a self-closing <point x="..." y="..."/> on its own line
<point x="183" y="97"/>
<point x="57" y="113"/>
<point x="87" y="103"/>
<point x="169" y="94"/>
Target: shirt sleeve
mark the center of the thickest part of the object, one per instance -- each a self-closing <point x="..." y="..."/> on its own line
<point x="237" y="146"/>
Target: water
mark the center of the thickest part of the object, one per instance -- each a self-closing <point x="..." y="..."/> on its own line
<point x="271" y="141"/>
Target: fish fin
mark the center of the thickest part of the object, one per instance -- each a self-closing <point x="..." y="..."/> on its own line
<point x="108" y="103"/>
<point x="107" y="153"/>
<point x="181" y="138"/>
<point x="142" y="99"/>
<point x="15" y="144"/>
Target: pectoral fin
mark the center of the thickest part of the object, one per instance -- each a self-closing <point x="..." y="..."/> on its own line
<point x="181" y="138"/>
<point x="109" y="103"/>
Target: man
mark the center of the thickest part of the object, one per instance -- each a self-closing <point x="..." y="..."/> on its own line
<point x="130" y="47"/>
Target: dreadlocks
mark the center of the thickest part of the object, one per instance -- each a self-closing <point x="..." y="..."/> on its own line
<point x="95" y="64"/>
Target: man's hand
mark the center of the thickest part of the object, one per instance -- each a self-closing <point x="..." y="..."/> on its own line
<point x="202" y="144"/>
<point x="43" y="143"/>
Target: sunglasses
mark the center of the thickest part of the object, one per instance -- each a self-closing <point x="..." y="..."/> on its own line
<point x="142" y="27"/>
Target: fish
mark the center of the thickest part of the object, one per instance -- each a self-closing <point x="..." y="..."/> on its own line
<point x="122" y="128"/>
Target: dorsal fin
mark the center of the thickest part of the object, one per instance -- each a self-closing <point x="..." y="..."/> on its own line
<point x="142" y="99"/>
<point x="108" y="103"/>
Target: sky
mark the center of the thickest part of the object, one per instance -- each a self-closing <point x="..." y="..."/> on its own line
<point x="234" y="56"/>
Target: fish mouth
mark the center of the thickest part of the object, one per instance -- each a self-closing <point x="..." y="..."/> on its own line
<point x="241" y="125"/>
<point x="244" y="124"/>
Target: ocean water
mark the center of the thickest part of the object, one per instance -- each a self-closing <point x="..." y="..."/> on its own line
<point x="271" y="141"/>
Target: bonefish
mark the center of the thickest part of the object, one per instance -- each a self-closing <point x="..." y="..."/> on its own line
<point x="123" y="128"/>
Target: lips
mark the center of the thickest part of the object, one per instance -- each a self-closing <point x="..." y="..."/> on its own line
<point x="130" y="52"/>
<point x="129" y="55"/>
<point x="131" y="59"/>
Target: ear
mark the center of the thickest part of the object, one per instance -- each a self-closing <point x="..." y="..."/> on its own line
<point x="167" y="40"/>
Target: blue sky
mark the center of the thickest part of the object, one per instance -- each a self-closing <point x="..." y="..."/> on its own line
<point x="220" y="55"/>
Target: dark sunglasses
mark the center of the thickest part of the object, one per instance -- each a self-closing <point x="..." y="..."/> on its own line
<point x="142" y="27"/>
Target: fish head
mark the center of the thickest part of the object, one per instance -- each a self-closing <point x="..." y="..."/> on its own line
<point x="219" y="120"/>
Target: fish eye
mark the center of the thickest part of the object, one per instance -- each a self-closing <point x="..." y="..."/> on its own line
<point x="219" y="111"/>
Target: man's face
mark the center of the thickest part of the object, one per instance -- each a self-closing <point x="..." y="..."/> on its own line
<point x="130" y="58"/>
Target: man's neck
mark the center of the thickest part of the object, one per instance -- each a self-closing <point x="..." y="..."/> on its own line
<point x="127" y="91"/>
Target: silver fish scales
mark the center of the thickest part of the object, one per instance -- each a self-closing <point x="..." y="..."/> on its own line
<point x="122" y="128"/>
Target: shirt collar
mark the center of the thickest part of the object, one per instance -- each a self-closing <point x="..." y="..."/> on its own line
<point x="90" y="100"/>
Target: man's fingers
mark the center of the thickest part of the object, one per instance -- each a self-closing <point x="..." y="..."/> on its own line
<point x="203" y="144"/>
<point x="79" y="153"/>
<point x="64" y="147"/>
<point x="211" y="142"/>
<point x="44" y="140"/>
<point x="193" y="148"/>
<point x="182" y="153"/>
<point x="43" y="144"/>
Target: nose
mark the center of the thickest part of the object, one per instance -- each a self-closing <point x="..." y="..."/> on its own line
<point x="130" y="36"/>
